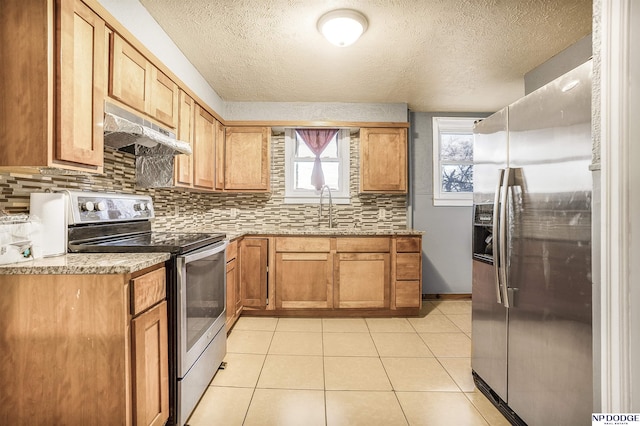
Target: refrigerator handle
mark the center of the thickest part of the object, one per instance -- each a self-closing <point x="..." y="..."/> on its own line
<point x="496" y="233"/>
<point x="502" y="247"/>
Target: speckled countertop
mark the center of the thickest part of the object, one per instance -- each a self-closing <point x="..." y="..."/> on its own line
<point x="80" y="263"/>
<point x="122" y="263"/>
<point x="327" y="232"/>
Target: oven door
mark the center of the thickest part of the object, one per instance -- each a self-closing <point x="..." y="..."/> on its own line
<point x="201" y="296"/>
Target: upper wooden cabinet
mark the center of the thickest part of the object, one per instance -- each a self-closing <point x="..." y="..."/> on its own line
<point x="137" y="83"/>
<point x="183" y="163"/>
<point x="246" y="158"/>
<point x="383" y="160"/>
<point x="204" y="145"/>
<point x="52" y="85"/>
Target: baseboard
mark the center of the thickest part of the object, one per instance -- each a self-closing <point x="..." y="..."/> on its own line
<point x="447" y="296"/>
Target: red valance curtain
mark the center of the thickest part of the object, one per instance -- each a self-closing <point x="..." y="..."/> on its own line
<point x="317" y="140"/>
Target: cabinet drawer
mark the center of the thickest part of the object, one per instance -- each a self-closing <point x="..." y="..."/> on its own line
<point x="232" y="250"/>
<point x="363" y="245"/>
<point x="408" y="266"/>
<point x="147" y="290"/>
<point x="408" y="294"/>
<point x="408" y="244"/>
<point x="316" y="245"/>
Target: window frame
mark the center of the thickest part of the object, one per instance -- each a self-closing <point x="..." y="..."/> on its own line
<point x="311" y="196"/>
<point x="461" y="125"/>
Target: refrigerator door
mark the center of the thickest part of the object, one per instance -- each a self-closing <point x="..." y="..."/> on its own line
<point x="489" y="316"/>
<point x="549" y="246"/>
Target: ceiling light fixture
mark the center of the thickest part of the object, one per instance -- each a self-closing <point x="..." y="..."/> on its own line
<point x="342" y="27"/>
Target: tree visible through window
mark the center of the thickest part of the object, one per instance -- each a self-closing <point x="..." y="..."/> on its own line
<point x="453" y="160"/>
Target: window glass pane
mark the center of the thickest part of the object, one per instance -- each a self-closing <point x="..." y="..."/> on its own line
<point x="330" y="151"/>
<point x="303" y="169"/>
<point x="457" y="178"/>
<point x="456" y="147"/>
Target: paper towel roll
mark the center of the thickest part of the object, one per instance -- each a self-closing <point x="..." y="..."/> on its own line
<point x="51" y="209"/>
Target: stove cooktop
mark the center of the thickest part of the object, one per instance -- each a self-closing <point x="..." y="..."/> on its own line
<point x="172" y="242"/>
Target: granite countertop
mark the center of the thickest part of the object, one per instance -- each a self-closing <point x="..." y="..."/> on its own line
<point x="81" y="263"/>
<point x="328" y="232"/>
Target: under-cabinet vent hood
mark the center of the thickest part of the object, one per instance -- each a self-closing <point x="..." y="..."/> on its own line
<point x="153" y="146"/>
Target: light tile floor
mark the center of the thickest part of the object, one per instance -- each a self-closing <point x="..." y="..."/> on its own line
<point x="349" y="371"/>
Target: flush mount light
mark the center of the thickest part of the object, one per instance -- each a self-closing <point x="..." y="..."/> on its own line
<point x="342" y="27"/>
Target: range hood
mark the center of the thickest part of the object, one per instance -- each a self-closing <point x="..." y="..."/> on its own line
<point x="153" y="146"/>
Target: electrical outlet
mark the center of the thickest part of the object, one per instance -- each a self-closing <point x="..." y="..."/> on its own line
<point x="234" y="213"/>
<point x="381" y="213"/>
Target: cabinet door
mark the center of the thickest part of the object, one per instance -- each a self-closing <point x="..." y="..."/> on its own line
<point x="362" y="280"/>
<point x="304" y="280"/>
<point x="130" y="80"/>
<point x="81" y="79"/>
<point x="150" y="375"/>
<point x="164" y="98"/>
<point x="383" y="160"/>
<point x="232" y="286"/>
<point x="253" y="272"/>
<point x="204" y="140"/>
<point x="246" y="159"/>
<point x="220" y="143"/>
<point x="183" y="163"/>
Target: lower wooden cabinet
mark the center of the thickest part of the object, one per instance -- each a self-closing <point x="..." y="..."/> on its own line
<point x="408" y="266"/>
<point x="150" y="375"/>
<point x="330" y="274"/>
<point x="304" y="280"/>
<point x="362" y="280"/>
<point x="253" y="253"/>
<point x="234" y="292"/>
<point x="74" y="352"/>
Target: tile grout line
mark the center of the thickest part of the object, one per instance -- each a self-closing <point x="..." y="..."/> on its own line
<point x="255" y="387"/>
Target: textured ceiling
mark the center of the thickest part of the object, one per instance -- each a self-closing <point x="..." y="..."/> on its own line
<point x="435" y="55"/>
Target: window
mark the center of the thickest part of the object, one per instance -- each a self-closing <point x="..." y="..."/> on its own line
<point x="453" y="161"/>
<point x="299" y="160"/>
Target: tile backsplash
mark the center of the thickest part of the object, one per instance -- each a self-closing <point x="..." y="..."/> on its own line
<point x="182" y="209"/>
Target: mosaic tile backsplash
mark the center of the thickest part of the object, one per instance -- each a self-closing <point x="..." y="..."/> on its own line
<point x="182" y="209"/>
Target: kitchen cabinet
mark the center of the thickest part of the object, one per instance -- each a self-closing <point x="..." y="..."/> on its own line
<point x="137" y="83"/>
<point x="52" y="86"/>
<point x="84" y="349"/>
<point x="253" y="272"/>
<point x="246" y="159"/>
<point x="363" y="268"/>
<point x="408" y="272"/>
<point x="183" y="164"/>
<point x="383" y="160"/>
<point x="234" y="292"/>
<point x="204" y="145"/>
<point x="304" y="273"/>
<point x="149" y="349"/>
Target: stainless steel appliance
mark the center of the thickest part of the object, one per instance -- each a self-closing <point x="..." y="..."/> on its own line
<point x="196" y="274"/>
<point x="531" y="314"/>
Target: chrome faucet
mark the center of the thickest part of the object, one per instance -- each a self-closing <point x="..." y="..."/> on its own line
<point x="330" y="205"/>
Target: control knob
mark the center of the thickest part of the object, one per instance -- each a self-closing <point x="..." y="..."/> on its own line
<point x="101" y="206"/>
<point x="87" y="207"/>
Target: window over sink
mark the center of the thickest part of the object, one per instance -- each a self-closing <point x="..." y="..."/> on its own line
<point x="299" y="164"/>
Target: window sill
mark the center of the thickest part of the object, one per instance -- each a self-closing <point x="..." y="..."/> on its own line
<point x="443" y="202"/>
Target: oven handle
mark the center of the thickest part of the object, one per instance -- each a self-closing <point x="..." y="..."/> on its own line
<point x="202" y="253"/>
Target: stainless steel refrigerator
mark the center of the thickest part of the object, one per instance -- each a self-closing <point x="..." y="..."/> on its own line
<point x="531" y="294"/>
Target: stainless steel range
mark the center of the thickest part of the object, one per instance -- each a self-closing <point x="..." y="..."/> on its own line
<point x="121" y="223"/>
